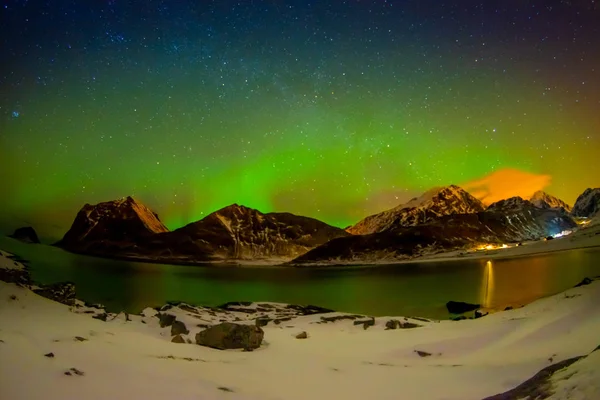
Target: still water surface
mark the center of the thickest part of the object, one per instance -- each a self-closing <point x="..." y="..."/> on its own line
<point x="420" y="289"/>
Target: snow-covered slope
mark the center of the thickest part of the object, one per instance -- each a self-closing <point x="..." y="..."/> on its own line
<point x="132" y="357"/>
<point x="432" y="204"/>
<point x="542" y="199"/>
<point x="587" y="204"/>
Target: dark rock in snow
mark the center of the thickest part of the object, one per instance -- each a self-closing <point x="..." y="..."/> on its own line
<point x="422" y="353"/>
<point x="62" y="292"/>
<point x="479" y="314"/>
<point x="459" y="307"/>
<point x="165" y="320"/>
<point x="309" y="309"/>
<point x="508" y="308"/>
<point x="262" y="321"/>
<point x="459" y="318"/>
<point x="178" y="339"/>
<point x="101" y="317"/>
<point x="49" y="355"/>
<point x="26" y="235"/>
<point x="302" y="335"/>
<point x="392" y="324"/>
<point x="366" y="323"/>
<point x="280" y="320"/>
<point x="340" y="317"/>
<point x="585" y="281"/>
<point x="179" y="328"/>
<point x="229" y="335"/>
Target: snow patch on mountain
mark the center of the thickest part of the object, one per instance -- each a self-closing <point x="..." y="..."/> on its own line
<point x="542" y="199"/>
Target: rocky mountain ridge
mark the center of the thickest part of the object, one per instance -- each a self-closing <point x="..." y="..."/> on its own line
<point x="432" y="204"/>
<point x="128" y="229"/>
<point x="507" y="221"/>
<point x="587" y="204"/>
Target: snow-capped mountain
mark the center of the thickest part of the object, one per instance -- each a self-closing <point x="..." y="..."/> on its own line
<point x="120" y="223"/>
<point x="587" y="204"/>
<point x="127" y="229"/>
<point x="432" y="204"/>
<point x="511" y="220"/>
<point x="542" y="199"/>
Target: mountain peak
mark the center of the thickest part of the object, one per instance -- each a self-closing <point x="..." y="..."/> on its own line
<point x="541" y="199"/>
<point x="433" y="203"/>
<point x="120" y="220"/>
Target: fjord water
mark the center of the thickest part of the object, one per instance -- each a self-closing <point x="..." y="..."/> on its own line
<point x="417" y="289"/>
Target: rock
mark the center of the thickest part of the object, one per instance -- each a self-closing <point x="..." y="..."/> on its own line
<point x="422" y="353"/>
<point x="229" y="335"/>
<point x="408" y="325"/>
<point x="77" y="372"/>
<point x="61" y="292"/>
<point x="280" y="320"/>
<point x="178" y="328"/>
<point x="459" y="307"/>
<point x="309" y="309"/>
<point x="459" y="318"/>
<point x="49" y="355"/>
<point x="392" y="324"/>
<point x="165" y="320"/>
<point x="365" y="323"/>
<point x="12" y="297"/>
<point x="262" y="321"/>
<point x="341" y="317"/>
<point x="178" y="339"/>
<point x="479" y="314"/>
<point x="101" y="317"/>
<point x="80" y="339"/>
<point x="585" y="281"/>
<point x="508" y="308"/>
<point x="302" y="335"/>
<point x="26" y="235"/>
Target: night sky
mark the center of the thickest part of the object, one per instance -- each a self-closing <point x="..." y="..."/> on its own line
<point x="331" y="109"/>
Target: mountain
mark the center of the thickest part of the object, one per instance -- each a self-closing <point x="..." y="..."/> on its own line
<point x="127" y="229"/>
<point x="238" y="232"/>
<point x="587" y="204"/>
<point x="542" y="199"/>
<point x="432" y="204"/>
<point x="510" y="205"/>
<point x="503" y="222"/>
<point x="111" y="226"/>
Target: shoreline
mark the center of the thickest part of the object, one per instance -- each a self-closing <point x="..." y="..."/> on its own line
<point x="75" y="351"/>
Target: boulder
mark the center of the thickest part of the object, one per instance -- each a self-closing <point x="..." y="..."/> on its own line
<point x="459" y="307"/>
<point x="229" y="335"/>
<point x="302" y="335"/>
<point x="178" y="339"/>
<point x="262" y="321"/>
<point x="61" y="292"/>
<point x="585" y="281"/>
<point x="366" y="323"/>
<point x="165" y="320"/>
<point x="392" y="324"/>
<point x="26" y="235"/>
<point x="179" y="328"/>
<point x="479" y="314"/>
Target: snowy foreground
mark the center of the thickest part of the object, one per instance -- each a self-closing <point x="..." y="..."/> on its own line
<point x="132" y="357"/>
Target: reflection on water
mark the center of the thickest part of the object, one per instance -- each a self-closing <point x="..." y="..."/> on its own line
<point x="487" y="285"/>
<point x="410" y="289"/>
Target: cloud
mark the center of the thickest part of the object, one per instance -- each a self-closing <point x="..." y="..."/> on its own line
<point x="506" y="183"/>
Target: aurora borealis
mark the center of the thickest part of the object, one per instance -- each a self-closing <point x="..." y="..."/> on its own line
<point x="330" y="109"/>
